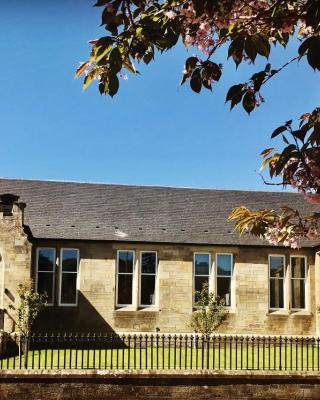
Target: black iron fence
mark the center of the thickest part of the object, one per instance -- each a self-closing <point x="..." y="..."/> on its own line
<point x="156" y="351"/>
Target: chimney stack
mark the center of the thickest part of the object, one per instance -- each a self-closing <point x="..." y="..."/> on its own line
<point x="11" y="208"/>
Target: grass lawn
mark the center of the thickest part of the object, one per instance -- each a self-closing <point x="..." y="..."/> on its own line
<point x="231" y="357"/>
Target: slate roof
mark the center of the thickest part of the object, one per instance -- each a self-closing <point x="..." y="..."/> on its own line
<point x="89" y="211"/>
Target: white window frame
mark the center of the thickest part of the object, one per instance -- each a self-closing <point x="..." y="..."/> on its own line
<point x="284" y="282"/>
<point x="69" y="272"/>
<point x="225" y="276"/>
<point x="194" y="273"/>
<point x="155" y="280"/>
<point x="306" y="289"/>
<point x="53" y="272"/>
<point x="125" y="273"/>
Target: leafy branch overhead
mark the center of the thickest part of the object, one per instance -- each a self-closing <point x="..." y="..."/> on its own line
<point x="138" y="30"/>
<point x="298" y="165"/>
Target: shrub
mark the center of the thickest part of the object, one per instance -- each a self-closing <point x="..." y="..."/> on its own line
<point x="210" y="312"/>
<point x="29" y="306"/>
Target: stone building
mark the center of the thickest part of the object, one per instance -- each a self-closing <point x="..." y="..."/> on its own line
<point x="129" y="258"/>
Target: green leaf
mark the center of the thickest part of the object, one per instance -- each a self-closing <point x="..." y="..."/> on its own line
<point x="235" y="94"/>
<point x="235" y="89"/>
<point x="285" y="139"/>
<point x="262" y="44"/>
<point x="250" y="49"/>
<point x="195" y="82"/>
<point x="313" y="55"/>
<point x="149" y="55"/>
<point x="267" y="151"/>
<point x="305" y="46"/>
<point x="249" y="102"/>
<point x="111" y="84"/>
<point x="115" y="60"/>
<point x="103" y="51"/>
<point x="101" y="3"/>
<point x="81" y="68"/>
<point x="258" y="79"/>
<point x="213" y="70"/>
<point x="277" y="131"/>
<point x="191" y="63"/>
<point x="86" y="82"/>
<point x="236" y="49"/>
<point x="287" y="153"/>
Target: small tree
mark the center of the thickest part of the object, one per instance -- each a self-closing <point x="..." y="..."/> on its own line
<point x="30" y="305"/>
<point x="210" y="313"/>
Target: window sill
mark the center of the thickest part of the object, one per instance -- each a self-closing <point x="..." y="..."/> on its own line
<point x="301" y="313"/>
<point x="139" y="309"/>
<point x="148" y="309"/>
<point x="278" y="313"/>
<point x="289" y="313"/>
<point x="125" y="308"/>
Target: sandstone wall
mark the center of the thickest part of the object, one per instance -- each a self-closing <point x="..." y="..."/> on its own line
<point x="15" y="254"/>
<point x="249" y="312"/>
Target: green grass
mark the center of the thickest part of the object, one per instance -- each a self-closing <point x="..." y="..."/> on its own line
<point x="301" y="358"/>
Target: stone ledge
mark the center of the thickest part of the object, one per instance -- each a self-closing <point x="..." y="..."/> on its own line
<point x="162" y="374"/>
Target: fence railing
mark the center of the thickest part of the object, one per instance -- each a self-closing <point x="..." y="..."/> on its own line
<point x="156" y="351"/>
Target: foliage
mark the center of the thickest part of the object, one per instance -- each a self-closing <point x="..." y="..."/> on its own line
<point x="30" y="305"/>
<point x="297" y="165"/>
<point x="140" y="29"/>
<point x="210" y="312"/>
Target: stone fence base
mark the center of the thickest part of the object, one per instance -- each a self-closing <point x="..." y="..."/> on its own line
<point x="158" y="385"/>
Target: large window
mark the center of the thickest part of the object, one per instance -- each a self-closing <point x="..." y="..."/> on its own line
<point x="125" y="269"/>
<point x="224" y="269"/>
<point x="298" y="282"/>
<point x="148" y="278"/>
<point x="46" y="262"/>
<point x="69" y="277"/>
<point x="201" y="271"/>
<point x="276" y="281"/>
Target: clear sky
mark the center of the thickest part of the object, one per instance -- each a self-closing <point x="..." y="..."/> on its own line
<point x="152" y="132"/>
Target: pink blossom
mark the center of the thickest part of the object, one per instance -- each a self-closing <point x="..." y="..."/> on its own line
<point x="170" y="14"/>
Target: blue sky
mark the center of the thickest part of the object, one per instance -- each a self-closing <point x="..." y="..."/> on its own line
<point x="152" y="132"/>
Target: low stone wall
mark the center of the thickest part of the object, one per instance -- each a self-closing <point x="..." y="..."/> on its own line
<point x="158" y="385"/>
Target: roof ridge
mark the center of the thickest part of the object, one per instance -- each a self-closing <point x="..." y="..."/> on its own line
<point x="148" y="186"/>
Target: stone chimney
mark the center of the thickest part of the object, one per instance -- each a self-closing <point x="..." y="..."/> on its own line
<point x="11" y="210"/>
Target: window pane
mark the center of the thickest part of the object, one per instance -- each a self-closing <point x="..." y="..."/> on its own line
<point x="224" y="289"/>
<point x="298" y="293"/>
<point x="276" y="266"/>
<point x="45" y="284"/>
<point x="69" y="260"/>
<point x="276" y="293"/>
<point x="224" y="266"/>
<point x="124" y="289"/>
<point x="148" y="263"/>
<point x="46" y="259"/>
<point x="201" y="264"/>
<point x="125" y="261"/>
<point x="298" y="267"/>
<point x="148" y="284"/>
<point x="68" y="289"/>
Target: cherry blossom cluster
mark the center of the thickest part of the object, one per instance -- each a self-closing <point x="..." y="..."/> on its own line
<point x="306" y="179"/>
<point x="274" y="232"/>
